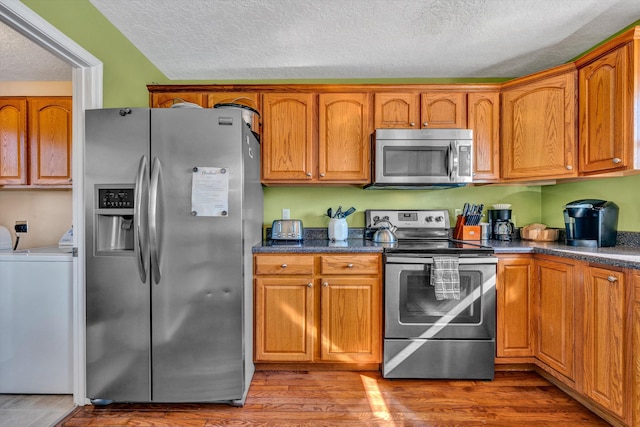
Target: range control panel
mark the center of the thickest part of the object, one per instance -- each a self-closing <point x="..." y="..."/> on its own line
<point x="115" y="198"/>
<point x="425" y="219"/>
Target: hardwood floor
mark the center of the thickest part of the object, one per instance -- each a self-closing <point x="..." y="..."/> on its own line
<point x="330" y="398"/>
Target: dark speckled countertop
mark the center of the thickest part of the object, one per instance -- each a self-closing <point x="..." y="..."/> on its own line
<point x="626" y="255"/>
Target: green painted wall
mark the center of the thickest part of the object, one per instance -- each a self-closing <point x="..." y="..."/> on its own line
<point x="625" y="192"/>
<point x="127" y="72"/>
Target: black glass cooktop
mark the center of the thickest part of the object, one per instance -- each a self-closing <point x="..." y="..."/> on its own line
<point x="422" y="247"/>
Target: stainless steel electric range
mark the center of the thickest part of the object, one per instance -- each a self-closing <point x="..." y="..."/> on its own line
<point x="439" y="299"/>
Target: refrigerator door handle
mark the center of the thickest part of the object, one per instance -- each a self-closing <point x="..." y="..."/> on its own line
<point x="156" y="175"/>
<point x="141" y="244"/>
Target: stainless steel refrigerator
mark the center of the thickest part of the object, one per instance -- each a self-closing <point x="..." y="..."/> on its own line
<point x="173" y="207"/>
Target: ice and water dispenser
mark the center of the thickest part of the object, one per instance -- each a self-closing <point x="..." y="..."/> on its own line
<point x="114" y="230"/>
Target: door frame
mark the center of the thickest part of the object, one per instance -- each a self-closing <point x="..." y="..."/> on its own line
<point x="87" y="93"/>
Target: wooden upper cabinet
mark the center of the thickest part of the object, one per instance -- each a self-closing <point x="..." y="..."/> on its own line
<point x="13" y="143"/>
<point x="606" y="112"/>
<point x="555" y="297"/>
<point x="606" y="348"/>
<point x="539" y="126"/>
<point x="251" y="99"/>
<point x="443" y="110"/>
<point x="345" y="137"/>
<point x="50" y="130"/>
<point x="288" y="143"/>
<point x="167" y="99"/>
<point x="483" y="114"/>
<point x="397" y="110"/>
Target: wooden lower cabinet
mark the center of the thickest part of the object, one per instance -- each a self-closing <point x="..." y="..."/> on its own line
<point x="515" y="319"/>
<point x="330" y="313"/>
<point x="606" y="352"/>
<point x="555" y="306"/>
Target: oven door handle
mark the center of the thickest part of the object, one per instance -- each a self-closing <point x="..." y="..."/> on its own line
<point x="429" y="260"/>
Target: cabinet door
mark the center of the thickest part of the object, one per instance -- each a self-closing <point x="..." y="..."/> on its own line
<point x="351" y="325"/>
<point x="167" y="99"/>
<point x="606" y="108"/>
<point x="604" y="333"/>
<point x="397" y="110"/>
<point x="556" y="318"/>
<point x="287" y="137"/>
<point x="50" y="133"/>
<point x="484" y="119"/>
<point x="539" y="129"/>
<point x="444" y="110"/>
<point x="345" y="137"/>
<point x="13" y="144"/>
<point x="284" y="319"/>
<point x="252" y="99"/>
<point x="514" y="289"/>
<point x="635" y="398"/>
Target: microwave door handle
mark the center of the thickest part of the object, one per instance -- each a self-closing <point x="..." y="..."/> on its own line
<point x="454" y="161"/>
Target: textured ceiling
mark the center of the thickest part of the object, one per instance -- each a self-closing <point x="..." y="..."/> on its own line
<point x="323" y="39"/>
<point x="291" y="39"/>
<point x="23" y="60"/>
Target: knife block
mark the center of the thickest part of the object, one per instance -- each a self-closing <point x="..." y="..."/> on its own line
<point x="466" y="232"/>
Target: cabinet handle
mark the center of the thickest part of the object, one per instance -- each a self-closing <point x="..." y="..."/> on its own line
<point x="612" y="278"/>
<point x="308" y="173"/>
<point x="349" y="265"/>
<point x="569" y="167"/>
<point x="412" y="124"/>
<point x="284" y="266"/>
<point x="309" y="285"/>
<point x="616" y="160"/>
<point x="325" y="284"/>
<point x="321" y="174"/>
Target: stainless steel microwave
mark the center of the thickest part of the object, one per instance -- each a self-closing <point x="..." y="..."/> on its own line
<point x="422" y="158"/>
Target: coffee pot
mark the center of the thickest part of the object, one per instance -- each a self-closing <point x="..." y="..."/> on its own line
<point x="500" y="224"/>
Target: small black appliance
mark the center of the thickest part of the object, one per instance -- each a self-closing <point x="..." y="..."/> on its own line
<point x="591" y="222"/>
<point x="500" y="225"/>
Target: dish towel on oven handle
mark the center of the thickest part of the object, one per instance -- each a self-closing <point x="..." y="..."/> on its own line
<point x="445" y="277"/>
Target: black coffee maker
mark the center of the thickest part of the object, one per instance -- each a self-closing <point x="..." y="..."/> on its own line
<point x="591" y="222"/>
<point x="500" y="224"/>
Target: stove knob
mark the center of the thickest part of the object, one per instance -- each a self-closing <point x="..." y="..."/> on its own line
<point x="439" y="218"/>
<point x="429" y="219"/>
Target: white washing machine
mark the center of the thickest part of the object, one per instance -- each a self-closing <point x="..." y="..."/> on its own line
<point x="35" y="319"/>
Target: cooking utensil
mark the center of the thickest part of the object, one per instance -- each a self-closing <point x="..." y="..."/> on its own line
<point x="349" y="212"/>
<point x="330" y="213"/>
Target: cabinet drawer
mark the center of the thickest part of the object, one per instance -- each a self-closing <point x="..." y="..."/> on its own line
<point x="349" y="264"/>
<point x="284" y="264"/>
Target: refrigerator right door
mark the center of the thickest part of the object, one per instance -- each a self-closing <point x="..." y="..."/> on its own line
<point x="117" y="280"/>
<point x="197" y="274"/>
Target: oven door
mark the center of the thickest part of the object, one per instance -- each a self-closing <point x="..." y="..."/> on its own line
<point x="412" y="310"/>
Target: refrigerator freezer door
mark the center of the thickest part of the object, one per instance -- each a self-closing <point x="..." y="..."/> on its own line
<point x="117" y="304"/>
<point x="197" y="305"/>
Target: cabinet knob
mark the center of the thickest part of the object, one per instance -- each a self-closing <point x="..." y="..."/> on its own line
<point x="308" y="173"/>
<point x="412" y="124"/>
<point x="284" y="266"/>
<point x="321" y="174"/>
<point x="425" y="124"/>
<point x="325" y="284"/>
<point x="569" y="167"/>
<point x="309" y="285"/>
<point x="616" y="160"/>
<point x="349" y="265"/>
<point x="612" y="278"/>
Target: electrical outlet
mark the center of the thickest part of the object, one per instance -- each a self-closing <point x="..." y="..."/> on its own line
<point x="286" y="214"/>
<point x="21" y="226"/>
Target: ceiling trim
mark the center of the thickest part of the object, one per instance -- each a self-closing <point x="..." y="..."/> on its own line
<point x="87" y="78"/>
